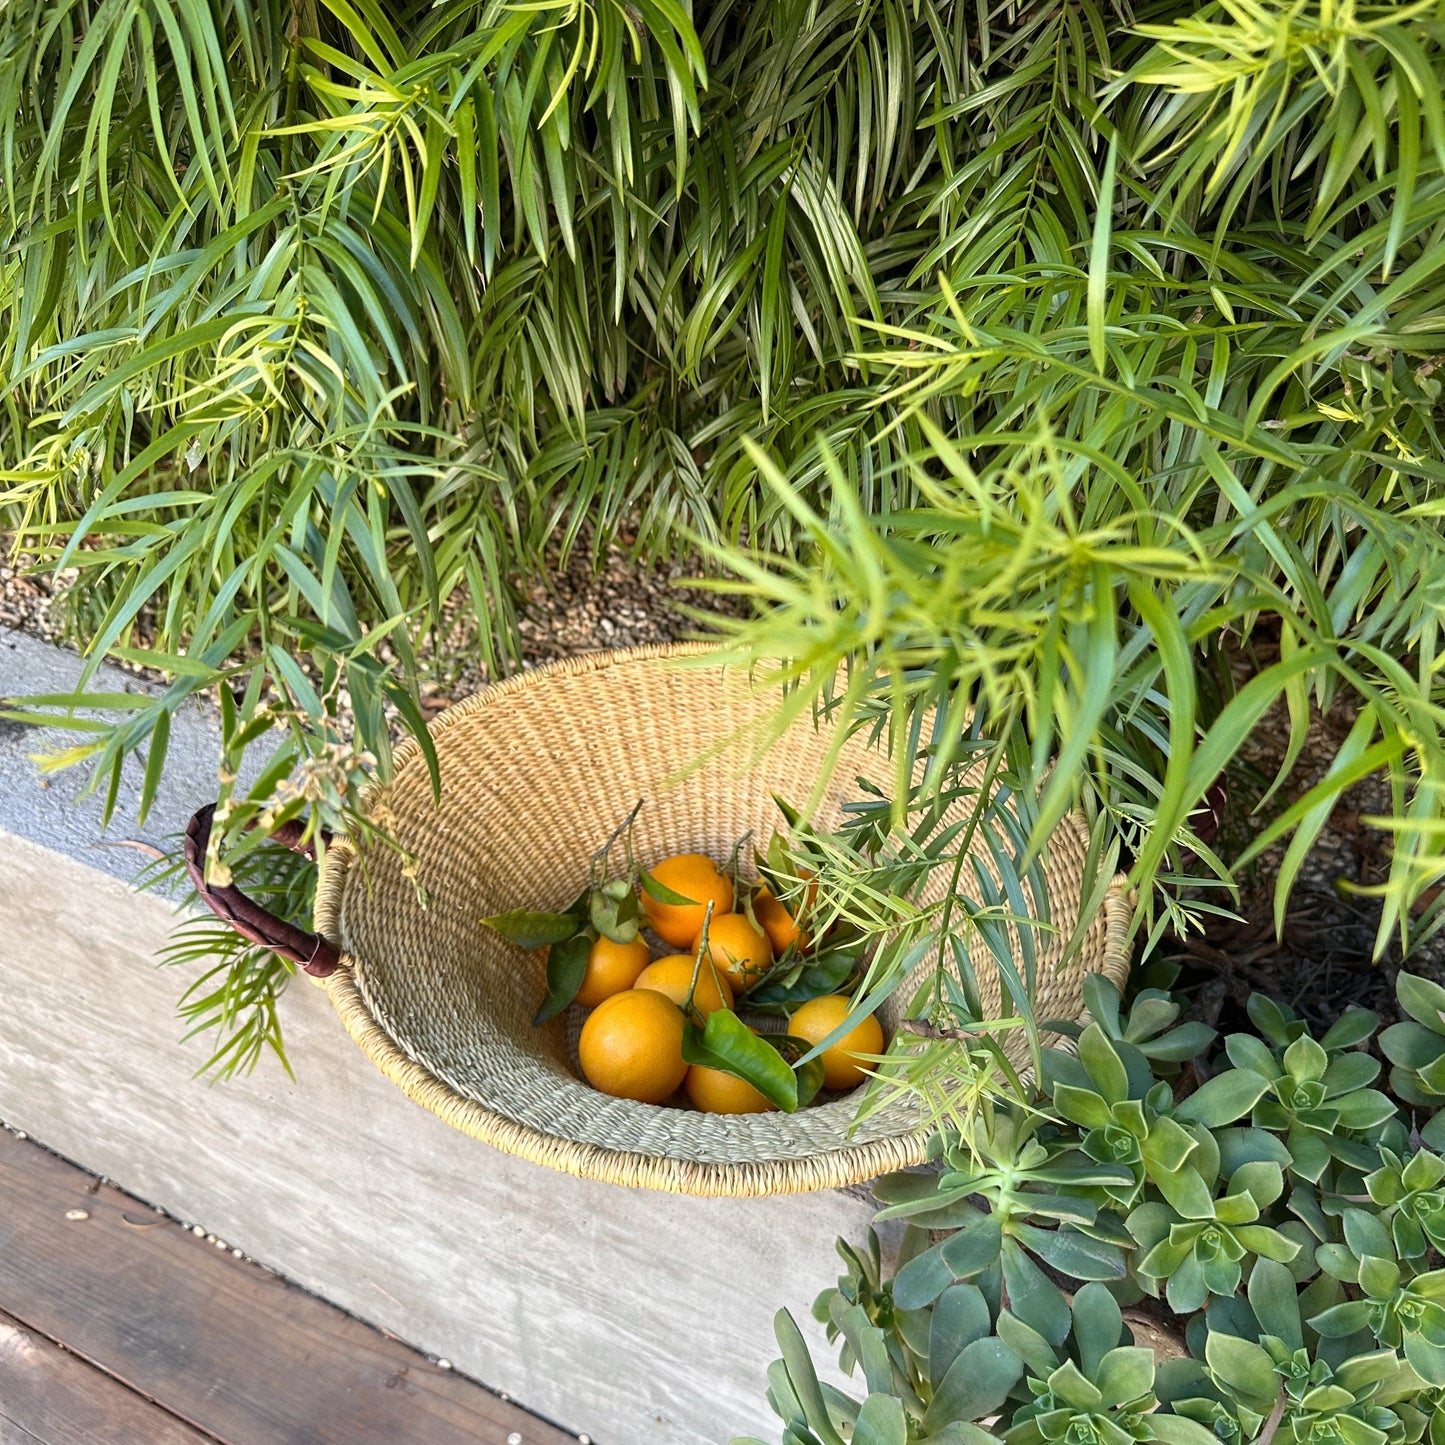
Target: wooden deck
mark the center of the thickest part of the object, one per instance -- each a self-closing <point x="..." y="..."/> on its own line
<point x="120" y="1327"/>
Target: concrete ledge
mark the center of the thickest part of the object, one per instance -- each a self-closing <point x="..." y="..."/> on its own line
<point x="634" y="1317"/>
<point x="58" y="810"/>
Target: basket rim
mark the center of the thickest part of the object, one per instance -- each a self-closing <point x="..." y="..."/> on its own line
<point x="832" y="1169"/>
<point x="667" y="1174"/>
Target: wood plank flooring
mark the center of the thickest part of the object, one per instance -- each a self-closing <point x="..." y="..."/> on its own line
<point x="119" y="1327"/>
<point x="48" y="1394"/>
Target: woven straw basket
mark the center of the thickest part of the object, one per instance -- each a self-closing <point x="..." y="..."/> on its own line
<point x="536" y="771"/>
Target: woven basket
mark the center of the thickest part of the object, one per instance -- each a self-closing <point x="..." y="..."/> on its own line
<point x="535" y="772"/>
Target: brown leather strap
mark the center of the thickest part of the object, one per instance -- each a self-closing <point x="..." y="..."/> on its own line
<point x="309" y="951"/>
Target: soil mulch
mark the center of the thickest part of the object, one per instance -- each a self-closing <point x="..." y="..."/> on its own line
<point x="1323" y="961"/>
<point x="575" y="609"/>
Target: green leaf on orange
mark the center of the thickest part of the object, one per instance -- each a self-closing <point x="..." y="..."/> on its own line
<point x="530" y="929"/>
<point x="566" y="968"/>
<point x="728" y="1044"/>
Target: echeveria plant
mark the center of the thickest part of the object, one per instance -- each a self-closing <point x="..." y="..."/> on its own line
<point x="1263" y="1209"/>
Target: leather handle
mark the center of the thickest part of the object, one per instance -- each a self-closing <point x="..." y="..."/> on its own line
<point x="309" y="951"/>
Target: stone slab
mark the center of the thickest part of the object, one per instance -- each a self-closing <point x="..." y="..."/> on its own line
<point x="59" y="809"/>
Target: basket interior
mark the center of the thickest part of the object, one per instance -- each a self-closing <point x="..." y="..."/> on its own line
<point x="534" y="776"/>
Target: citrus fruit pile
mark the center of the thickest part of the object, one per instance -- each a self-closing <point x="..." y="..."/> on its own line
<point x="666" y="1021"/>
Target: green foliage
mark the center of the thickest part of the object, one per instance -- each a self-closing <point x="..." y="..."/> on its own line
<point x="779" y="1067"/>
<point x="1146" y="409"/>
<point x="1410" y="1201"/>
<point x="1149" y="1035"/>
<point x="1317" y="1097"/>
<point x="1307" y="1297"/>
<point x="1194" y="1257"/>
<point x="1258" y="1367"/>
<point x="1029" y="361"/>
<point x="1108" y="1398"/>
<point x="1033" y="1204"/>
<point x="1400" y="1305"/>
<point x="234" y="997"/>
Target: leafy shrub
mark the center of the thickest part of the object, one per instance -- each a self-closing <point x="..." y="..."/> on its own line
<point x="1280" y="1219"/>
<point x="1032" y="360"/>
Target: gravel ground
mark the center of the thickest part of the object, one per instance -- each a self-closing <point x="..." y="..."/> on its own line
<point x="580" y="609"/>
<point x="576" y="609"/>
<point x="26" y="599"/>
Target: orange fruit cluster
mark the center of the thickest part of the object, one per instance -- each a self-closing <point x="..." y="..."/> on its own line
<point x="631" y="1042"/>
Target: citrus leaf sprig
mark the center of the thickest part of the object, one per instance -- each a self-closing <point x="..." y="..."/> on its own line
<point x="658" y="890"/>
<point x="607" y="908"/>
<point x="566" y="968"/>
<point x="529" y="929"/>
<point x="771" y="1064"/>
<point x="726" y="1043"/>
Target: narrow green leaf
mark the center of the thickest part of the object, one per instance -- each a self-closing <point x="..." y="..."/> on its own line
<point x="1098" y="290"/>
<point x="155" y="764"/>
<point x="804" y="1378"/>
<point x="662" y="893"/>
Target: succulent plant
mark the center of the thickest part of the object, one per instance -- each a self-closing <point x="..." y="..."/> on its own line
<point x="1032" y="1199"/>
<point x="1125" y="1127"/>
<point x="1282" y="1213"/>
<point x="1258" y="1365"/>
<point x="1398" y="1307"/>
<point x="1105" y="1396"/>
<point x="1148" y="1036"/>
<point x="1192" y="1258"/>
<point x="1411" y="1201"/>
<point x="1416" y="1048"/>
<point x="1317" y="1403"/>
<point x="1318" y="1097"/>
<point x="1423" y="1416"/>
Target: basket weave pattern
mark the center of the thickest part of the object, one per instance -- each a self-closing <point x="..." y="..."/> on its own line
<point x="535" y="772"/>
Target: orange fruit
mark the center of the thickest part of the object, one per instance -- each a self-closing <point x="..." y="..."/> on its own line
<point x="696" y="878"/>
<point x="611" y="967"/>
<point x="671" y="977"/>
<point x="631" y="1046"/>
<point x="716" y="1092"/>
<point x="741" y="951"/>
<point x="817" y="1018"/>
<point x="780" y="925"/>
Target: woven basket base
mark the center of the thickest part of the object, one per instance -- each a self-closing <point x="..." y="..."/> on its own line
<point x="536" y="771"/>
